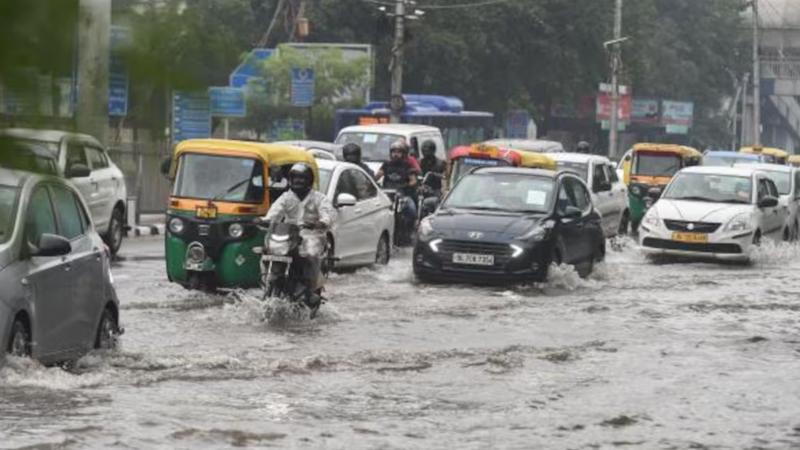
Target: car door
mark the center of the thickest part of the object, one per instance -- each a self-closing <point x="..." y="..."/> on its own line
<point x="780" y="212"/>
<point x="368" y="215"/>
<point x="771" y="220"/>
<point x="103" y="181"/>
<point x="85" y="261"/>
<point x="619" y="193"/>
<point x="346" y="237"/>
<point x="602" y="196"/>
<point x="571" y="229"/>
<point x="76" y="154"/>
<point x="49" y="281"/>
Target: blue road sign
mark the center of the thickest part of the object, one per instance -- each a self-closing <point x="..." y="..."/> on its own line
<point x="227" y="102"/>
<point x="191" y="116"/>
<point x="302" y="87"/>
<point x="250" y="68"/>
<point x="117" y="75"/>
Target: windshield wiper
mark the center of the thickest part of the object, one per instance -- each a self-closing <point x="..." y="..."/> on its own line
<point x="694" y="198"/>
<point x="230" y="189"/>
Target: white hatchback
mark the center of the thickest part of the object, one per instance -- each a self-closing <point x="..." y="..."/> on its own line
<point x="364" y="229"/>
<point x="787" y="180"/>
<point x="718" y="212"/>
<point x="609" y="193"/>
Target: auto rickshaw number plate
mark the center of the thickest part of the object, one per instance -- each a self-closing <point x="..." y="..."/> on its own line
<point x="206" y="212"/>
<point x="473" y="259"/>
<point x="697" y="238"/>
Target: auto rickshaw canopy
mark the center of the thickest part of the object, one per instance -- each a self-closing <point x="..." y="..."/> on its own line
<point x="769" y="151"/>
<point x="482" y="151"/>
<point x="683" y="151"/>
<point x="537" y="161"/>
<point x="793" y="160"/>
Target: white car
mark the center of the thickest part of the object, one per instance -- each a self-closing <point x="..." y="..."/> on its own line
<point x="83" y="160"/>
<point x="609" y="193"/>
<point x="718" y="212"/>
<point x="363" y="232"/>
<point x="375" y="140"/>
<point x="320" y="149"/>
<point x="787" y="180"/>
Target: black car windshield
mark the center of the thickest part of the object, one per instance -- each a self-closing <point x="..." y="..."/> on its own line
<point x="502" y="192"/>
<point x="782" y="180"/>
<point x="225" y="178"/>
<point x="374" y="146"/>
<point x="8" y="213"/>
<point x="582" y="169"/>
<point x="657" y="164"/>
<point x="710" y="188"/>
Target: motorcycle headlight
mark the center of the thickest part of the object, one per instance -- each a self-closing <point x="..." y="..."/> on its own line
<point x="279" y="248"/>
<point x="739" y="223"/>
<point x="236" y="230"/>
<point x="425" y="228"/>
<point x="651" y="219"/>
<point x="176" y="225"/>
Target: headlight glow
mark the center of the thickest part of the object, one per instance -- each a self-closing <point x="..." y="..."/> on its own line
<point x="236" y="230"/>
<point x="176" y="225"/>
<point x="517" y="250"/>
<point x="425" y="227"/>
<point x="434" y="245"/>
<point x="739" y="223"/>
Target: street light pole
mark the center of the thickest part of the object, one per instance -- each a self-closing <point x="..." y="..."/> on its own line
<point x="613" y="135"/>
<point x="397" y="58"/>
<point x="756" y="80"/>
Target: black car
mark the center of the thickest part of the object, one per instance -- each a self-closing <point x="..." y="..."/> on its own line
<point x="509" y="224"/>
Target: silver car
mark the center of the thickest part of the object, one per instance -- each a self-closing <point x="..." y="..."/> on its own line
<point x="56" y="295"/>
<point x="83" y="160"/>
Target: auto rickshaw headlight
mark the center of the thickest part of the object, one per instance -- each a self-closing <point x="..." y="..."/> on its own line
<point x="236" y="230"/>
<point x="176" y="225"/>
<point x="636" y="190"/>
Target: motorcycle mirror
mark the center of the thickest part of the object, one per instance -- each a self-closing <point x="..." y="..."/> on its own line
<point x="345" y="199"/>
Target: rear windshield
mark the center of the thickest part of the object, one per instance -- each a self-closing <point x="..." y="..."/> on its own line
<point x="582" y="169"/>
<point x="8" y="211"/>
<point x="374" y="146"/>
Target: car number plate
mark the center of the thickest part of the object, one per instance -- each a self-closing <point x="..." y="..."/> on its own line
<point x="206" y="212"/>
<point x="473" y="259"/>
<point x="697" y="238"/>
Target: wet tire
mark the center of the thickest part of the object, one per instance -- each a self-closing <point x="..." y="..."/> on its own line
<point x="114" y="236"/>
<point x="20" y="342"/>
<point x="106" y="337"/>
<point x="383" y="252"/>
<point x="624" y="222"/>
<point x="757" y="239"/>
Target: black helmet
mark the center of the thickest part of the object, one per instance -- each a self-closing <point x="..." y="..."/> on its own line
<point x="301" y="178"/>
<point x="428" y="148"/>
<point x="583" y="147"/>
<point x="351" y="153"/>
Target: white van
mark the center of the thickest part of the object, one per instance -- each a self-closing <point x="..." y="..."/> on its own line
<point x="375" y="140"/>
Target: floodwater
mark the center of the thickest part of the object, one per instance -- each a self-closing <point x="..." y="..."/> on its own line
<point x="640" y="355"/>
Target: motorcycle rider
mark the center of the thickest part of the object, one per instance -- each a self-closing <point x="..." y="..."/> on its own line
<point x="352" y="154"/>
<point x="583" y="147"/>
<point x="431" y="164"/>
<point x="310" y="209"/>
<point x="399" y="174"/>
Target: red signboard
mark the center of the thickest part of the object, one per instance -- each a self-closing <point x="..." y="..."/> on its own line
<point x="603" y="109"/>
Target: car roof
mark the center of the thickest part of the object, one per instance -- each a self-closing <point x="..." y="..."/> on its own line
<point x="577" y="157"/>
<point x="42" y="135"/>
<point x="518" y="171"/>
<point x="766" y="167"/>
<point x="390" y="128"/>
<point x="536" y="145"/>
<point x="721" y="170"/>
<point x="322" y="145"/>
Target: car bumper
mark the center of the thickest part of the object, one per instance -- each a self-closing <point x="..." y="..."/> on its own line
<point x="728" y="246"/>
<point x="439" y="266"/>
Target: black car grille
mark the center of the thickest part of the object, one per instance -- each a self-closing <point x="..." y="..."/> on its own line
<point x="501" y="253"/>
<point x="697" y="227"/>
<point x="692" y="247"/>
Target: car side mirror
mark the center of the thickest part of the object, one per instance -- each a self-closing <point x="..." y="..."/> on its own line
<point x="571" y="212"/>
<point x="768" y="202"/>
<point x="166" y="165"/>
<point x="78" y="171"/>
<point x="345" y="199"/>
<point x="52" y="245"/>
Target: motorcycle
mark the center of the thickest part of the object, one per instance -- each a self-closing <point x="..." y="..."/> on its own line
<point x="403" y="226"/>
<point x="283" y="270"/>
<point x="430" y="194"/>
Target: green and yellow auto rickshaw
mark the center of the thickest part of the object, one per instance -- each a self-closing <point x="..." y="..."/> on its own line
<point x="218" y="188"/>
<point x="651" y="168"/>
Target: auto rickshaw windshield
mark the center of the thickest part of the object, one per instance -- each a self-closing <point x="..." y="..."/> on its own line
<point x="657" y="164"/>
<point x="8" y="200"/>
<point x="224" y="178"/>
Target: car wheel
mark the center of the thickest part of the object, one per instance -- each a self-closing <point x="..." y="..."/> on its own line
<point x="383" y="253"/>
<point x="623" y="223"/>
<point x="20" y="342"/>
<point x="106" y="338"/>
<point x="795" y="231"/>
<point x="115" y="231"/>
<point x="757" y="238"/>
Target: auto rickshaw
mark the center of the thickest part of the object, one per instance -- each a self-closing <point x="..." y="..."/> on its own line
<point x="218" y="187"/>
<point x="793" y="160"/>
<point x="651" y="168"/>
<point x="771" y="154"/>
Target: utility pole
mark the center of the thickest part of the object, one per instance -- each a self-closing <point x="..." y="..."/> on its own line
<point x="94" y="34"/>
<point x="613" y="135"/>
<point x="397" y="60"/>
<point x="756" y="79"/>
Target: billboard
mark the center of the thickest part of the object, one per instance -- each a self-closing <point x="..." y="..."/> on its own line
<point x="603" y="108"/>
<point x="677" y="117"/>
<point x="645" y="110"/>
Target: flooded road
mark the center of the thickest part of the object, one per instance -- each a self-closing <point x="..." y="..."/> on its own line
<point x="641" y="355"/>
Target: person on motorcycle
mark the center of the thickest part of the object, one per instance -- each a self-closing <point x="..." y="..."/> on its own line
<point x="352" y="154"/>
<point x="399" y="174"/>
<point x="583" y="147"/>
<point x="431" y="164"/>
<point x="314" y="213"/>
